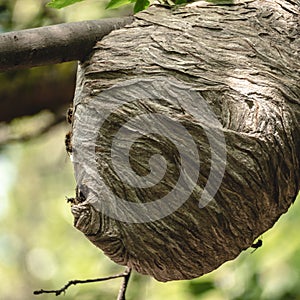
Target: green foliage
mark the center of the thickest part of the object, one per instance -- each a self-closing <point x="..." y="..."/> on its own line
<point x="179" y="2"/>
<point x="39" y="247"/>
<point x="61" y="3"/>
<point x="117" y="3"/>
<point x="220" y="2"/>
<point x="140" y="5"/>
<point x="5" y="16"/>
<point x="199" y="288"/>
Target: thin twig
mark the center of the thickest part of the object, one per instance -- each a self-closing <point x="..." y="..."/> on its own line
<point x="125" y="274"/>
<point x="122" y="291"/>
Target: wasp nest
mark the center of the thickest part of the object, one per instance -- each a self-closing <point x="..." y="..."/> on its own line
<point x="185" y="135"/>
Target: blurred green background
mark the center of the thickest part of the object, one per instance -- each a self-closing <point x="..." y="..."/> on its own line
<point x="40" y="249"/>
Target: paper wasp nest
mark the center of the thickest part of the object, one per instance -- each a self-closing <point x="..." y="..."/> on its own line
<point x="185" y="138"/>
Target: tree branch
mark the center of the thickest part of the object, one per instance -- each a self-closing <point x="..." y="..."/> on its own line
<point x="54" y="44"/>
<point x="27" y="92"/>
<point x="121" y="296"/>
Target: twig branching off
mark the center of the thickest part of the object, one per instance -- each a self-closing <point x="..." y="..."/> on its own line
<point x="121" y="296"/>
<point x="122" y="291"/>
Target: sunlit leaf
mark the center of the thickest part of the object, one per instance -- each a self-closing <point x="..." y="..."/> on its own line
<point x="61" y="3"/>
<point x="118" y="3"/>
<point x="140" y="5"/>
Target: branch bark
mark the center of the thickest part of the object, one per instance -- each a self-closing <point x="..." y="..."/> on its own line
<point x="54" y="44"/>
<point x="29" y="91"/>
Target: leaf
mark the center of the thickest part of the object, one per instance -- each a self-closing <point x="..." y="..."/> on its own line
<point x="118" y="3"/>
<point x="61" y="3"/>
<point x="220" y="2"/>
<point x="178" y="2"/>
<point x="140" y="5"/>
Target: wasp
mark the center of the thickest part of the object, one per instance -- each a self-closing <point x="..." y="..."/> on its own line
<point x="69" y="115"/>
<point x="256" y="245"/>
<point x="79" y="197"/>
<point x="68" y="142"/>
